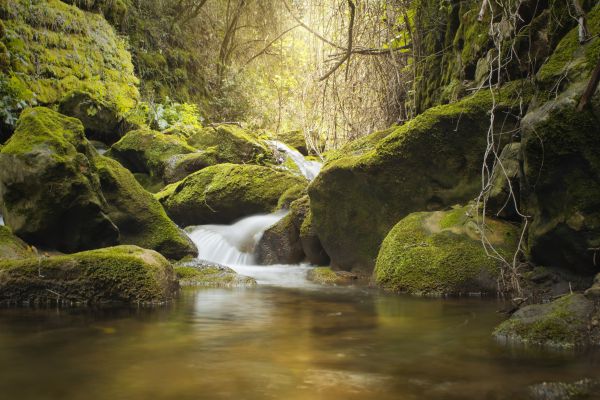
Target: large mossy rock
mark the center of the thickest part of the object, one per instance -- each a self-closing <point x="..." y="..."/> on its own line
<point x="148" y="152"/>
<point x="139" y="216"/>
<point x="224" y="193"/>
<point x="11" y="246"/>
<point x="55" y="48"/>
<point x="122" y="274"/>
<point x="563" y="323"/>
<point x="431" y="162"/>
<point x="231" y="144"/>
<point x="101" y="120"/>
<point x="294" y="139"/>
<point x="441" y="253"/>
<point x="561" y="161"/>
<point x="50" y="191"/>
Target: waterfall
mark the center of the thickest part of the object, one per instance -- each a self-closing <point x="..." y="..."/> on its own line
<point x="233" y="246"/>
<point x="310" y="169"/>
<point x="1" y="220"/>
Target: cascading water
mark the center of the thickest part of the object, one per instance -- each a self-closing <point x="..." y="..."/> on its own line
<point x="310" y="169"/>
<point x="233" y="245"/>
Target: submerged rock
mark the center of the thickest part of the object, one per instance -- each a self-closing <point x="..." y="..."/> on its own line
<point x="200" y="273"/>
<point x="122" y="274"/>
<point x="327" y="276"/>
<point x="50" y="191"/>
<point x="571" y="321"/>
<point x="431" y="162"/>
<point x="11" y="246"/>
<point x="139" y="216"/>
<point x="441" y="253"/>
<point x="231" y="144"/>
<point x="224" y="193"/>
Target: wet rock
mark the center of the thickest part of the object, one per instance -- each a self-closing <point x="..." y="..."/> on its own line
<point x="441" y="253"/>
<point x="593" y="293"/>
<point x="224" y="193"/>
<point x="11" y="247"/>
<point x="122" y="274"/>
<point x="500" y="203"/>
<point x="202" y="273"/>
<point x="564" y="391"/>
<point x="563" y="323"/>
<point x="326" y="276"/>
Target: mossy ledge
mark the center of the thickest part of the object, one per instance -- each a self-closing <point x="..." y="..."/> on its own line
<point x="122" y="274"/>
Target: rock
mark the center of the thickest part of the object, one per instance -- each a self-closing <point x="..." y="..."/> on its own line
<point x="542" y="284"/>
<point x="593" y="293"/>
<point x="326" y="276"/>
<point x="506" y="179"/>
<point x="294" y="139"/>
<point x="122" y="274"/>
<point x="280" y="244"/>
<point x="148" y="152"/>
<point x="100" y="119"/>
<point x="292" y="194"/>
<point x="182" y="165"/>
<point x="200" y="273"/>
<point x="224" y="193"/>
<point x="311" y="244"/>
<point x="564" y="391"/>
<point x="51" y="194"/>
<point x="441" y="253"/>
<point x="138" y="215"/>
<point x="563" y="323"/>
<point x="561" y="182"/>
<point x="232" y="144"/>
<point x="11" y="247"/>
<point x="429" y="163"/>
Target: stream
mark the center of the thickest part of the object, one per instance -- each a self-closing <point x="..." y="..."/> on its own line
<point x="284" y="339"/>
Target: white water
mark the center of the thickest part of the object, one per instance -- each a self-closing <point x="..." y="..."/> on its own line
<point x="233" y="246"/>
<point x="310" y="169"/>
<point x="1" y="220"/>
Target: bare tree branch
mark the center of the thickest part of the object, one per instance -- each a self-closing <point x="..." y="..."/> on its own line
<point x="350" y="40"/>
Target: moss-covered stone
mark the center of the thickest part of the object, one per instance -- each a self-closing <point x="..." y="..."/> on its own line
<point x="100" y="119"/>
<point x="123" y="274"/>
<point x="441" y="253"/>
<point x="294" y="139"/>
<point x="225" y="192"/>
<point x="506" y="180"/>
<point x="11" y="246"/>
<point x="431" y="162"/>
<point x="138" y="215"/>
<point x="231" y="144"/>
<point x="199" y="273"/>
<point x="50" y="191"/>
<point x="562" y="323"/>
<point x="146" y="151"/>
<point x="327" y="276"/>
<point x="182" y="165"/>
<point x="56" y="48"/>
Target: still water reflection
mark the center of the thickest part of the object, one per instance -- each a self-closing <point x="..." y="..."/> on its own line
<point x="274" y="343"/>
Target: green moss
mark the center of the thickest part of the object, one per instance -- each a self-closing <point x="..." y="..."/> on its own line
<point x="441" y="253"/>
<point x="562" y="323"/>
<point x="140" y="218"/>
<point x="118" y="274"/>
<point x="290" y="195"/>
<point x="232" y="144"/>
<point x="225" y="192"/>
<point x="323" y="275"/>
<point x="11" y="246"/>
<point x="213" y="276"/>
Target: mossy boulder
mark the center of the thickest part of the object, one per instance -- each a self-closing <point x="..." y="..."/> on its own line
<point x="431" y="162"/>
<point x="311" y="244"/>
<point x="50" y="192"/>
<point x="224" y="193"/>
<point x="593" y="293"/>
<point x="122" y="274"/>
<point x="563" y="323"/>
<point x="56" y="48"/>
<point x="561" y="173"/>
<point x="441" y="253"/>
<point x="294" y="139"/>
<point x="200" y="273"/>
<point x="232" y="144"/>
<point x="138" y="215"/>
<point x="11" y="246"/>
<point x="182" y="165"/>
<point x="148" y="152"/>
<point x="329" y="277"/>
<point x="100" y="119"/>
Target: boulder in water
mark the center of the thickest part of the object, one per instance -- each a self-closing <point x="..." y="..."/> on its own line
<point x="223" y="193"/>
<point x="441" y="253"/>
<point x="432" y="162"/>
<point x="566" y="323"/>
<point x="200" y="273"/>
<point x="139" y="216"/>
<point x="50" y="192"/>
<point x="122" y="274"/>
<point x="327" y="276"/>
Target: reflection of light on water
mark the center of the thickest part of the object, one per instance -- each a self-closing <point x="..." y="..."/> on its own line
<point x="277" y="275"/>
